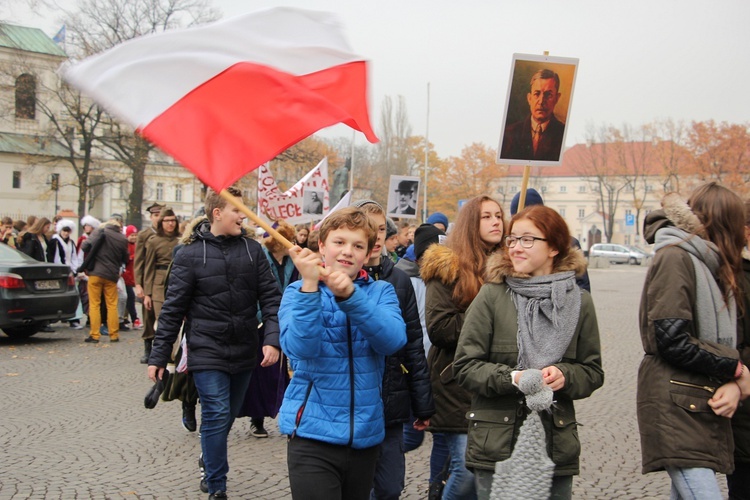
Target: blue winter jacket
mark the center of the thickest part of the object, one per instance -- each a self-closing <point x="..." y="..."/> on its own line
<point x="337" y="350"/>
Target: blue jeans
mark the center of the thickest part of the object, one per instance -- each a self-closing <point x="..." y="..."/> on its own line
<point x="390" y="469"/>
<point x="413" y="440"/>
<point x="694" y="483"/>
<point x="221" y="395"/>
<point x="460" y="485"/>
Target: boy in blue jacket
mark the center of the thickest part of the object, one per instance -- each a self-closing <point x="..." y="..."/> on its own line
<point x="337" y="327"/>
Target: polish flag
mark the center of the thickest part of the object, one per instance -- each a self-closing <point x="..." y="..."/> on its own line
<point x="224" y="98"/>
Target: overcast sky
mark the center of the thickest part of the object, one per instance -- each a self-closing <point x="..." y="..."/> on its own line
<point x="640" y="60"/>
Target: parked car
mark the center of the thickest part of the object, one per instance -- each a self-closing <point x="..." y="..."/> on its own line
<point x="33" y="293"/>
<point x="618" y="254"/>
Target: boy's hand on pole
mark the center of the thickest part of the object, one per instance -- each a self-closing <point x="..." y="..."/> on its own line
<point x="308" y="264"/>
<point x="340" y="284"/>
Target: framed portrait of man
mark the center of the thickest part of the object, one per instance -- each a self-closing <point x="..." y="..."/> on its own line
<point x="312" y="202"/>
<point x="403" y="196"/>
<point x="540" y="93"/>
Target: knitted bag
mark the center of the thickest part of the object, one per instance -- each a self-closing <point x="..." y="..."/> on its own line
<point x="527" y="474"/>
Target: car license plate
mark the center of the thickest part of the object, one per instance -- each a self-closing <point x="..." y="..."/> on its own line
<point x="47" y="284"/>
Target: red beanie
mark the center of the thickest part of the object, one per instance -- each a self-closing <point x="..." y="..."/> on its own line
<point x="130" y="230"/>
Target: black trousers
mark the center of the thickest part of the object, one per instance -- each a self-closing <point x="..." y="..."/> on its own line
<point x="323" y="471"/>
<point x="739" y="481"/>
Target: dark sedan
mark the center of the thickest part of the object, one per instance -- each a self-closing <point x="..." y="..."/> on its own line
<point x="33" y="293"/>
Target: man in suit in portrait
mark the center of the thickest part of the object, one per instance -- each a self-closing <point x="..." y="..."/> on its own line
<point x="405" y="190"/>
<point x="539" y="136"/>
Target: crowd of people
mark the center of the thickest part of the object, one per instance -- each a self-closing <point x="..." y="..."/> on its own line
<point x="364" y="333"/>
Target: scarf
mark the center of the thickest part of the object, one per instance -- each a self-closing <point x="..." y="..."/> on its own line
<point x="548" y="309"/>
<point x="715" y="320"/>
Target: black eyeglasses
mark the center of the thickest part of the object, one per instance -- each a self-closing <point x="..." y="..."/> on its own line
<point x="526" y="241"/>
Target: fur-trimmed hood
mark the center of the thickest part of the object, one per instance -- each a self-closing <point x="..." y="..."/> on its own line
<point x="194" y="226"/>
<point x="441" y="263"/>
<point x="675" y="212"/>
<point x="499" y="266"/>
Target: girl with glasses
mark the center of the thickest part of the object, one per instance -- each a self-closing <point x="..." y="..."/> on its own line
<point x="529" y="337"/>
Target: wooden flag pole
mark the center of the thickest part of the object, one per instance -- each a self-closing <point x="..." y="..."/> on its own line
<point x="524" y="184"/>
<point x="237" y="202"/>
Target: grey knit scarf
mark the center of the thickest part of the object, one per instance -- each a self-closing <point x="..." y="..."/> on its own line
<point x="548" y="310"/>
<point x="715" y="320"/>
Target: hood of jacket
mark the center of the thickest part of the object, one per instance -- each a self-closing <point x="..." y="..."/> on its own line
<point x="410" y="268"/>
<point x="195" y="227"/>
<point x="675" y="212"/>
<point x="499" y="266"/>
<point x="440" y="262"/>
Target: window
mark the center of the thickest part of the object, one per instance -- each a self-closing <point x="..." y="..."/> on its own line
<point x="628" y="212"/>
<point x="561" y="211"/>
<point x="581" y="189"/>
<point x="629" y="188"/>
<point x="581" y="213"/>
<point x="544" y="189"/>
<point x="159" y="191"/>
<point x="649" y="188"/>
<point x="513" y="189"/>
<point x="26" y="97"/>
<point x="16" y="180"/>
<point x="563" y="189"/>
<point x="500" y="190"/>
<point x="178" y="192"/>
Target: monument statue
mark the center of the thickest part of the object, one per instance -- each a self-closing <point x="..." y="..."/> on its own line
<point x="340" y="182"/>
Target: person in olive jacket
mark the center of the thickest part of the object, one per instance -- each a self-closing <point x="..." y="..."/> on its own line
<point x="530" y="315"/>
<point x="691" y="378"/>
<point x="216" y="284"/>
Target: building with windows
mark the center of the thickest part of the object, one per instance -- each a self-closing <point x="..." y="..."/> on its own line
<point x="588" y="189"/>
<point x="36" y="175"/>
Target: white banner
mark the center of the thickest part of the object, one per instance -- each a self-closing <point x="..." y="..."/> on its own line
<point x="304" y="202"/>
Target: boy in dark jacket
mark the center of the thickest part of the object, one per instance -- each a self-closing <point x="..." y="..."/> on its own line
<point x="216" y="284"/>
<point x="337" y="327"/>
<point x="406" y="382"/>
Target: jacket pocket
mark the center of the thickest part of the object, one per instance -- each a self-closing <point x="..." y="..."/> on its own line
<point x="490" y="437"/>
<point x="566" y="445"/>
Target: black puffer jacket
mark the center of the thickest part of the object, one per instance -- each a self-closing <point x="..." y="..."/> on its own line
<point x="406" y="380"/>
<point x="216" y="284"/>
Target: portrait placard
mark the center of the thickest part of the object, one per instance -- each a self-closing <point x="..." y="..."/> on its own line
<point x="540" y="93"/>
<point x="403" y="196"/>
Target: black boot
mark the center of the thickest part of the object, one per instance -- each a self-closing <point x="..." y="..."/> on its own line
<point x="147" y="343"/>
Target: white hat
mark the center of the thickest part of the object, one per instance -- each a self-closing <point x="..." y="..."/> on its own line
<point x="90" y="220"/>
<point x="62" y="223"/>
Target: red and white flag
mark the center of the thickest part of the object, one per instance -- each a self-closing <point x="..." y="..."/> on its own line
<point x="224" y="98"/>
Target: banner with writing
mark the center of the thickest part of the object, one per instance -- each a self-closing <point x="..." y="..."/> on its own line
<point x="305" y="202"/>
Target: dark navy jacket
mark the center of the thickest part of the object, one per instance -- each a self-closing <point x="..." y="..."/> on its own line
<point x="216" y="285"/>
<point x="406" y="381"/>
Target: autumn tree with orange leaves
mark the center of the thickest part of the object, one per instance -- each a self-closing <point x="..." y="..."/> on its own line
<point x="471" y="174"/>
<point x="720" y="152"/>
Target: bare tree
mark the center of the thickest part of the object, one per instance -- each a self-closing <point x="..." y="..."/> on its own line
<point x="599" y="165"/>
<point x="632" y="150"/>
<point x="98" y="25"/>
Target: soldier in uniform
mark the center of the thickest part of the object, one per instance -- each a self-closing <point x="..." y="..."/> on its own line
<point x="149" y="318"/>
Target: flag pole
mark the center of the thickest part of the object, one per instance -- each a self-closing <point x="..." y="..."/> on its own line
<point x="237" y="202"/>
<point x="426" y="155"/>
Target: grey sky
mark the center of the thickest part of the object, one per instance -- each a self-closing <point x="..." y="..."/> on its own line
<point x="640" y="60"/>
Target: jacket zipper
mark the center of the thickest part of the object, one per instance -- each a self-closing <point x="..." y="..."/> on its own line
<point x="695" y="386"/>
<point x="351" y="381"/>
<point x="301" y="410"/>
